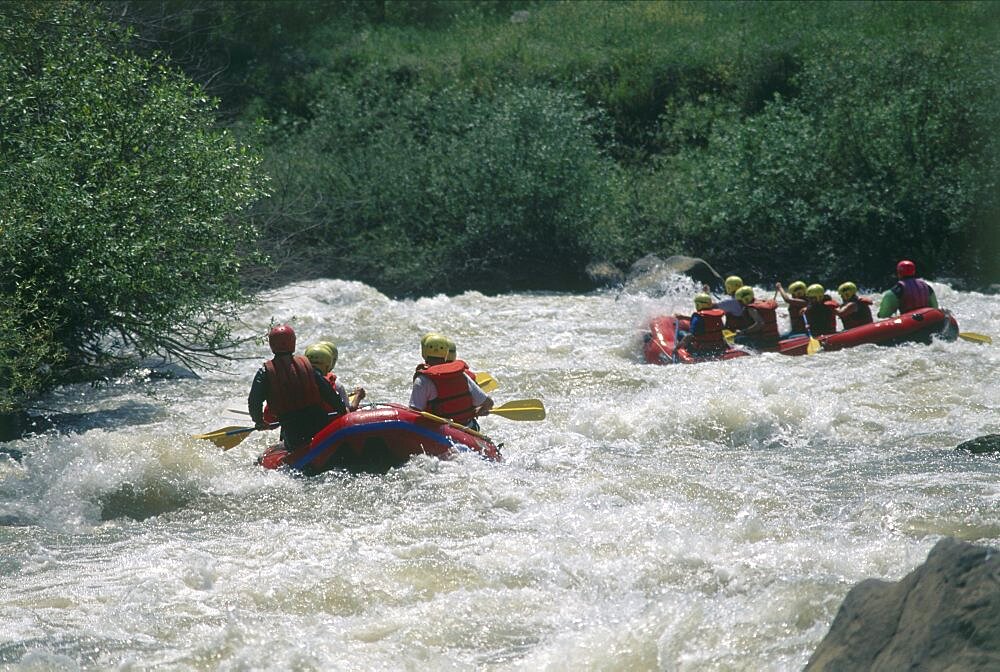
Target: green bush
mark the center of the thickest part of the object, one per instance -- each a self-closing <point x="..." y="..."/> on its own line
<point x="888" y="150"/>
<point x="116" y="234"/>
<point x="419" y="192"/>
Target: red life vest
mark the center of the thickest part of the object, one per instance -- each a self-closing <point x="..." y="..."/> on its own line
<point x="332" y="379"/>
<point x="822" y="317"/>
<point x="768" y="336"/>
<point x="737" y="322"/>
<point x="861" y="315"/>
<point x="453" y="401"/>
<point x="468" y="372"/>
<point x="913" y="293"/>
<point x="291" y="384"/>
<point x="711" y="338"/>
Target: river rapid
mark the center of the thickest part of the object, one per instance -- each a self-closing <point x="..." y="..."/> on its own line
<point x="707" y="517"/>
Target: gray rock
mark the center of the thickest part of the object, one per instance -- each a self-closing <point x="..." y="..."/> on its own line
<point x="981" y="445"/>
<point x="944" y="615"/>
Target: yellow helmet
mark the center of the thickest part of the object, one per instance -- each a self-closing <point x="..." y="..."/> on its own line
<point x="815" y="291"/>
<point x="434" y="345"/>
<point x="320" y="357"/>
<point x="452" y="351"/>
<point x="332" y="347"/>
<point x="744" y="295"/>
<point x="797" y="289"/>
<point x="702" y="301"/>
<point x="847" y="290"/>
<point x="733" y="282"/>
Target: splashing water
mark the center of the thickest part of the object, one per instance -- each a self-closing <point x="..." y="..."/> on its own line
<point x="707" y="517"/>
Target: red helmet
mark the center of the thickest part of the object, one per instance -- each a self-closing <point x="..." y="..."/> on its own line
<point x="281" y="339"/>
<point x="906" y="269"/>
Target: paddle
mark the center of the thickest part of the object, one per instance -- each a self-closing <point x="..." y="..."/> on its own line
<point x="730" y="336"/>
<point x="814" y="345"/>
<point x="485" y="381"/>
<point x="452" y="423"/>
<point x="522" y="409"/>
<point x="975" y="338"/>
<point x="228" y="437"/>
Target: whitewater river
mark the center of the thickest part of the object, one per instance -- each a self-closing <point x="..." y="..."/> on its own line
<point x="707" y="517"/>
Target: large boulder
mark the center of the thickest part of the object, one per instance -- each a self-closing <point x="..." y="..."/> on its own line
<point x="981" y="445"/>
<point x="944" y="615"/>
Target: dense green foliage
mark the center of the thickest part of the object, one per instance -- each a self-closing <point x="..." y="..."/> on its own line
<point x="823" y="140"/>
<point x="116" y="235"/>
<point x="446" y="192"/>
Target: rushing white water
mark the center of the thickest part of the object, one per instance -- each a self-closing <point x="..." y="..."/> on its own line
<point x="707" y="517"/>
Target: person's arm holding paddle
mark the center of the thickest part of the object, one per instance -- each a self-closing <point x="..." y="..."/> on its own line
<point x="255" y="400"/>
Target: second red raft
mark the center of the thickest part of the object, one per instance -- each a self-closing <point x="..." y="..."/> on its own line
<point x="916" y="326"/>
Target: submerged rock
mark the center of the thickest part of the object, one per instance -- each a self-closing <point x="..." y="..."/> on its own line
<point x="944" y="615"/>
<point x="983" y="444"/>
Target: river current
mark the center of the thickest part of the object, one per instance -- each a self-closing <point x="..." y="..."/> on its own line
<point x="707" y="517"/>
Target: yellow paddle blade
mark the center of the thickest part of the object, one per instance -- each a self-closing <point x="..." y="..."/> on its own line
<point x="486" y="381"/>
<point x="813" y="347"/>
<point x="523" y="409"/>
<point x="227" y="437"/>
<point x="975" y="338"/>
<point x="729" y="336"/>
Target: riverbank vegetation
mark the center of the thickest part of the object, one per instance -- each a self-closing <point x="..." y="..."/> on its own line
<point x="120" y="231"/>
<point x="439" y="146"/>
<point x="423" y="146"/>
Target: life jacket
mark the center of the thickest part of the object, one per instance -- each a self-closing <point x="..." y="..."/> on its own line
<point x="769" y="335"/>
<point x="861" y="315"/>
<point x="737" y="322"/>
<point x="332" y="379"/>
<point x="468" y="372"/>
<point x="711" y="338"/>
<point x="912" y="293"/>
<point x="822" y="317"/>
<point x="291" y="384"/>
<point x="453" y="401"/>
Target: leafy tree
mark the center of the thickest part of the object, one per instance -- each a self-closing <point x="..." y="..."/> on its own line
<point x="419" y="192"/>
<point x="117" y="233"/>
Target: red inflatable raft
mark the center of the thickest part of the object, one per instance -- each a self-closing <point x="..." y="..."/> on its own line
<point x="660" y="344"/>
<point x="916" y="326"/>
<point x="378" y="438"/>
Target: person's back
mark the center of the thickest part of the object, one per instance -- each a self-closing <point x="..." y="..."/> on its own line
<point x="820" y="315"/>
<point x="444" y="388"/>
<point x="855" y="311"/>
<point x="762" y="332"/>
<point x="909" y="292"/>
<point x="293" y="389"/>
<point x="737" y="317"/>
<point x="704" y="337"/>
<point x="795" y="297"/>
